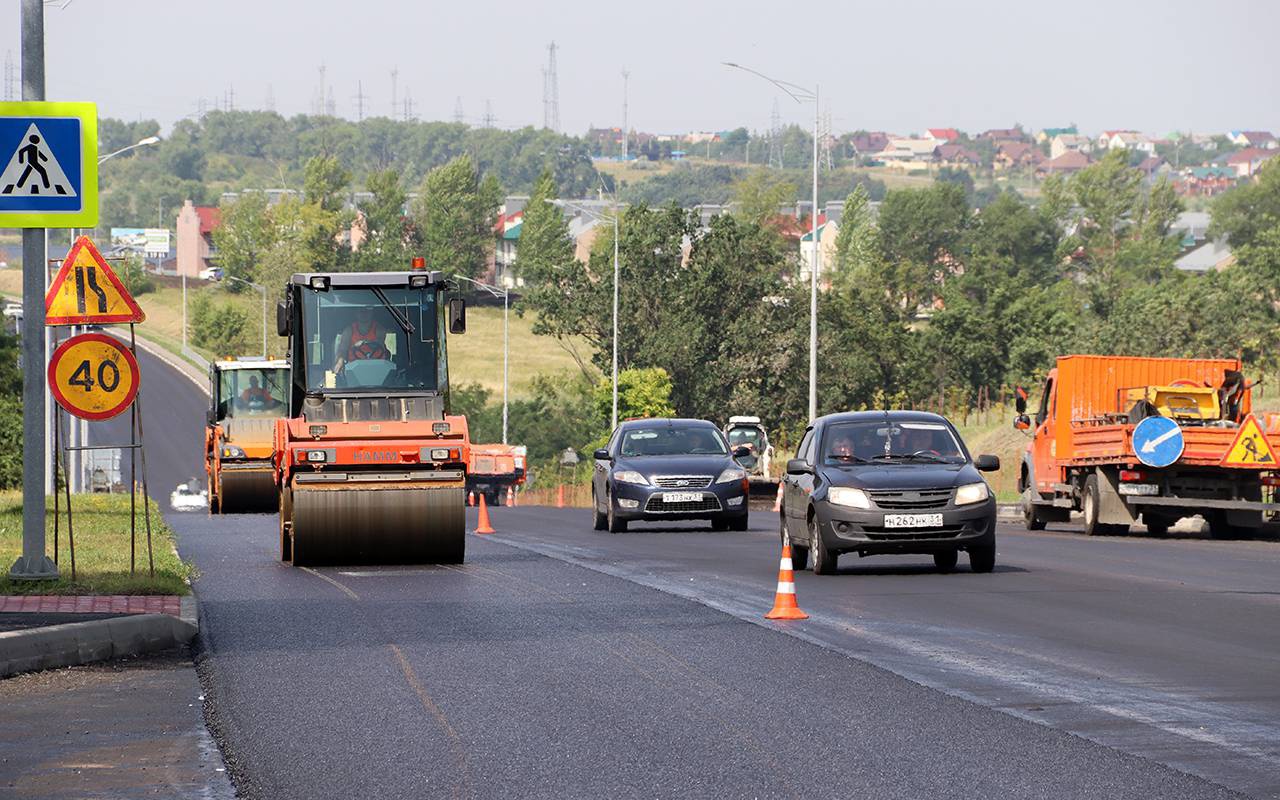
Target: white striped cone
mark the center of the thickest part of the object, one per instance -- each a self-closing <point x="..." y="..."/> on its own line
<point x="784" y="601"/>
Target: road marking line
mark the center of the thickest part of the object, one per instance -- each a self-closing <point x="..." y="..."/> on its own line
<point x="344" y="588"/>
<point x="464" y="788"/>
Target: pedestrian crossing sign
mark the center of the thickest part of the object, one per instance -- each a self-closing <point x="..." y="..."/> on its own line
<point x="48" y="165"/>
<point x="1251" y="448"/>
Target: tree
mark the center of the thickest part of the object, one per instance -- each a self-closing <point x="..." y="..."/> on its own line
<point x="455" y="218"/>
<point x="545" y="244"/>
<point x="389" y="238"/>
<point x="921" y="232"/>
<point x="1249" y="209"/>
<point x="244" y="234"/>
<point x="760" y="193"/>
<point x="218" y="327"/>
<point x="641" y="393"/>
<point x="855" y="249"/>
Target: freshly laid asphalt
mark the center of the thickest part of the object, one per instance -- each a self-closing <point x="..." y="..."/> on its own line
<point x="519" y="674"/>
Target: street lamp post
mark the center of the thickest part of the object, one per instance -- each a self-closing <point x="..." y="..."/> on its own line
<point x="595" y="215"/>
<point x="802" y="95"/>
<point x="506" y="341"/>
<point x="260" y="288"/>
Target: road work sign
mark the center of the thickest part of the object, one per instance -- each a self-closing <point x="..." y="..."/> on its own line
<point x="1157" y="441"/>
<point x="1251" y="448"/>
<point x="93" y="376"/>
<point x="88" y="292"/>
<point x="48" y="165"/>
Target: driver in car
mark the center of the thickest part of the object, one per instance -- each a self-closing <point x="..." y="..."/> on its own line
<point x="364" y="340"/>
<point x="842" y="447"/>
<point x="255" y="394"/>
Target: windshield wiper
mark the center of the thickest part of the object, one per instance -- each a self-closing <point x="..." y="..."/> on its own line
<point x="401" y="317"/>
<point x="847" y="457"/>
<point x="924" y="456"/>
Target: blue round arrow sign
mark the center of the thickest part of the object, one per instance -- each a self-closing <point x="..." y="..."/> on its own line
<point x="1157" y="441"/>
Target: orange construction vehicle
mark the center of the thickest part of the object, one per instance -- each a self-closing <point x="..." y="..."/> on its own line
<point x="370" y="464"/>
<point x="495" y="468"/>
<point x="247" y="396"/>
<point x="1162" y="438"/>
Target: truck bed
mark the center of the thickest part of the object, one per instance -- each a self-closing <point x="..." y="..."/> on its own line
<point x="1113" y="444"/>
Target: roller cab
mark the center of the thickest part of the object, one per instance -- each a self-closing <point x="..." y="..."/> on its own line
<point x="247" y="396"/>
<point x="371" y="466"/>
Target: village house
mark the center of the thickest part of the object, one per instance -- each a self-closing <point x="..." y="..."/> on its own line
<point x="1069" y="143"/>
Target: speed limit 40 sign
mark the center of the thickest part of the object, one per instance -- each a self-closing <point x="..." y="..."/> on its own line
<point x="93" y="376"/>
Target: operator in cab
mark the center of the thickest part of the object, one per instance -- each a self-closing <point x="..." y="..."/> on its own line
<point x="256" y="396"/>
<point x="365" y="339"/>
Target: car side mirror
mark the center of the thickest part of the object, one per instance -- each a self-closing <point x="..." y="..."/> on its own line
<point x="1022" y="422"/>
<point x="798" y="466"/>
<point x="282" y="318"/>
<point x="602" y="455"/>
<point x="741" y="451"/>
<point x="457" y="315"/>
<point x="987" y="463"/>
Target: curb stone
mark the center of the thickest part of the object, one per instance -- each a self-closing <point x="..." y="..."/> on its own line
<point x="76" y="643"/>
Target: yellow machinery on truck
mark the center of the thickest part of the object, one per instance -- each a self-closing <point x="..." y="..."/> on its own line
<point x="371" y="466"/>
<point x="246" y="397"/>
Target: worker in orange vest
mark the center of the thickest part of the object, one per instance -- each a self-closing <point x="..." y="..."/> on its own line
<point x="365" y="339"/>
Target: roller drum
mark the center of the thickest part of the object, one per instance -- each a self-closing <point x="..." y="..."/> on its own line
<point x="417" y="525"/>
<point x="248" y="492"/>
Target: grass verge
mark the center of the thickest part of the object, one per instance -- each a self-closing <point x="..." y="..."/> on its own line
<point x="102" y="549"/>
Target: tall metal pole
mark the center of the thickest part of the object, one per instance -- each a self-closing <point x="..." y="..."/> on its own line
<point x="33" y="564"/>
<point x="813" y="273"/>
<point x="506" y="307"/>
<point x="184" y="312"/>
<point x="614" y="419"/>
<point x="264" y="320"/>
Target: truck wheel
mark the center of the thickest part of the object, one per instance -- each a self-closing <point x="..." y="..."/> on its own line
<point x="1157" y="526"/>
<point x="982" y="558"/>
<point x="945" y="560"/>
<point x="824" y="561"/>
<point x="1091" y="507"/>
<point x="1218" y="526"/>
<point x="598" y="519"/>
<point x="1030" y="518"/>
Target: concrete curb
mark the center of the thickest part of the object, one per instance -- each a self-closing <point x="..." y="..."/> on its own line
<point x="77" y="643"/>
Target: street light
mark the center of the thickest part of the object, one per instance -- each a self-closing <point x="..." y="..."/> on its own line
<point x="260" y="288"/>
<point x="142" y="143"/>
<point x="598" y="216"/>
<point x="802" y="95"/>
<point x="506" y="307"/>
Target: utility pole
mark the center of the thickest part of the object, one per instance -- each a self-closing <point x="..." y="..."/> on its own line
<point x="33" y="564"/>
<point x="551" y="92"/>
<point x="488" y="114"/>
<point x="10" y="77"/>
<point x="408" y="106"/>
<point x="360" y="96"/>
<point x="395" y="74"/>
<point x="330" y="107"/>
<point x="320" y="102"/>
<point x="626" y="78"/>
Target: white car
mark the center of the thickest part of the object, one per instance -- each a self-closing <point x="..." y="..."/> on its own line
<point x="187" y="498"/>
<point x="210" y="274"/>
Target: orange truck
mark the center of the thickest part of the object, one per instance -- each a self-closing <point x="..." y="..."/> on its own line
<point x="494" y="468"/>
<point x="1117" y="438"/>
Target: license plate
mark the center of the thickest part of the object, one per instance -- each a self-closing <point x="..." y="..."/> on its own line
<point x="681" y="497"/>
<point x="912" y="520"/>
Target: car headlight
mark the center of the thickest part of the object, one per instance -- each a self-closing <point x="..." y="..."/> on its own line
<point x="231" y="451"/>
<point x="630" y="476"/>
<point x="848" y="496"/>
<point x="731" y="475"/>
<point x="972" y="493"/>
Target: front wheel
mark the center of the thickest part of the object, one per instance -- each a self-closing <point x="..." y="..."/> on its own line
<point x="738" y="523"/>
<point x="615" y="525"/>
<point x="824" y="561"/>
<point x="1031" y="519"/>
<point x="982" y="558"/>
<point x="599" y="521"/>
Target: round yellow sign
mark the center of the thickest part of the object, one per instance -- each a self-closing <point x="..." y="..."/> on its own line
<point x="93" y="376"/>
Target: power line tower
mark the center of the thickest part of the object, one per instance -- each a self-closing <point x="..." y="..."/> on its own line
<point x="408" y="106"/>
<point x="824" y="142"/>
<point x="551" y="92"/>
<point x="395" y="107"/>
<point x="360" y="98"/>
<point x="319" y="104"/>
<point x="231" y="98"/>
<point x="488" y="113"/>
<point x="775" y="136"/>
<point x="626" y="131"/>
<point x="271" y="98"/>
<point x="330" y="106"/>
<point x="10" y="77"/>
<point x="458" y="116"/>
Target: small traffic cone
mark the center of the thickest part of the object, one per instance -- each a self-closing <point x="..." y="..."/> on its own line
<point x="511" y="496"/>
<point x="560" y="496"/>
<point x="483" y="526"/>
<point x="777" y="501"/>
<point x="784" y="602"/>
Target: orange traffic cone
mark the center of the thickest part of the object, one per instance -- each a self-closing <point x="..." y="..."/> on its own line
<point x="777" y="501"/>
<point x="511" y="496"/>
<point x="483" y="526"/>
<point x="784" y="602"/>
<point x="560" y="496"/>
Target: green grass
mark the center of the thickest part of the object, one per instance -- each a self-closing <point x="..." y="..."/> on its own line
<point x="102" y="549"/>
<point x="476" y="356"/>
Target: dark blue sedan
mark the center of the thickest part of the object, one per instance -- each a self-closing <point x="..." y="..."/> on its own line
<point x="656" y="470"/>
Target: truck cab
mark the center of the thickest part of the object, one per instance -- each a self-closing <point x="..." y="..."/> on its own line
<point x="246" y="397"/>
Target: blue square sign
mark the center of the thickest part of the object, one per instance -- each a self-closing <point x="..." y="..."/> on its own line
<point x="48" y="165"/>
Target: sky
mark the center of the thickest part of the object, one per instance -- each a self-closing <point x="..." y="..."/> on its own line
<point x="900" y="67"/>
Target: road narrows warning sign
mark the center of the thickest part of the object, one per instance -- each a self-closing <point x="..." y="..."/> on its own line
<point x="93" y="376"/>
<point x="88" y="292"/>
<point x="1251" y="448"/>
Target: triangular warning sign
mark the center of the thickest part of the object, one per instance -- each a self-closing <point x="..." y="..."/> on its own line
<point x="33" y="170"/>
<point x="87" y="292"/>
<point x="1251" y="448"/>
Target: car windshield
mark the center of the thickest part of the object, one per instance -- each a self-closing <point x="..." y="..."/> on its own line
<point x="673" y="441"/>
<point x="742" y="437"/>
<point x="886" y="440"/>
<point x="252" y="392"/>
<point x="372" y="338"/>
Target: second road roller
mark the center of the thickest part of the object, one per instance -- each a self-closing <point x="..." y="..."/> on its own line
<point x="370" y="464"/>
<point x="247" y="396"/>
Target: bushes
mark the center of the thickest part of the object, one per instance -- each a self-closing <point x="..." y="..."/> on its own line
<point x="218" y="327"/>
